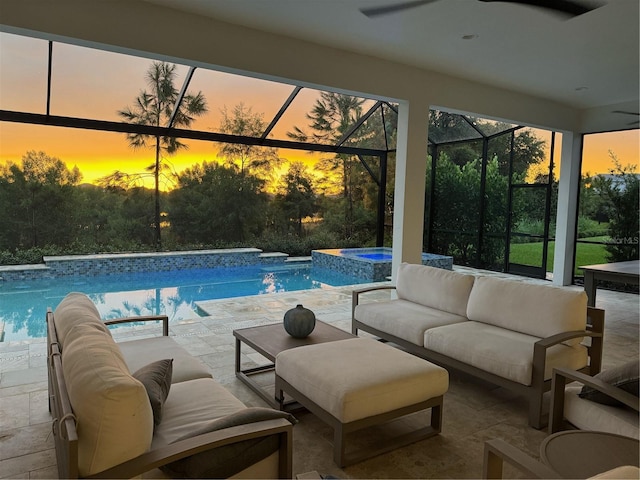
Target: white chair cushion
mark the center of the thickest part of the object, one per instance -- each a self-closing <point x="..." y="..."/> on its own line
<point x="625" y="472"/>
<point x="360" y="377"/>
<point x="75" y="309"/>
<point x="138" y="353"/>
<point x="588" y="415"/>
<point x="434" y="287"/>
<point x="500" y="351"/>
<point x="191" y="403"/>
<point x="115" y="420"/>
<point x="404" y="319"/>
<point x="538" y="310"/>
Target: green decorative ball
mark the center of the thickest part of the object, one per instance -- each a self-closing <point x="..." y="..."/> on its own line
<point x="299" y="322"/>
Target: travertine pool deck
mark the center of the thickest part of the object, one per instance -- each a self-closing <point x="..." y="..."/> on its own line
<point x="473" y="411"/>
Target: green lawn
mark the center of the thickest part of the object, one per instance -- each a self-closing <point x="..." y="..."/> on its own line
<point x="586" y="254"/>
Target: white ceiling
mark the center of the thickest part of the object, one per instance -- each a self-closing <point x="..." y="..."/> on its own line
<point x="591" y="60"/>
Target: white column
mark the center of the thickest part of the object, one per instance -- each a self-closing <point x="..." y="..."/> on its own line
<point x="411" y="167"/>
<point x="567" y="213"/>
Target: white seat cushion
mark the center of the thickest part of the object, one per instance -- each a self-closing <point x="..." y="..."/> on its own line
<point x="588" y="415"/>
<point x="138" y="353"/>
<point x="191" y="403"/>
<point x="360" y="377"/>
<point x="404" y="319"/>
<point x="500" y="351"/>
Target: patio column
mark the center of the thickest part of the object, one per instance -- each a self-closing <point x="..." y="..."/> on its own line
<point x="411" y="168"/>
<point x="568" y="186"/>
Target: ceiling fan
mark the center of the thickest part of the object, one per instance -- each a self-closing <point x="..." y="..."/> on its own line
<point x="635" y="122"/>
<point x="564" y="7"/>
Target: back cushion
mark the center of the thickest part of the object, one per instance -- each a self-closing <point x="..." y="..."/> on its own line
<point x="113" y="412"/>
<point x="538" y="310"/>
<point x="76" y="309"/>
<point x="434" y="287"/>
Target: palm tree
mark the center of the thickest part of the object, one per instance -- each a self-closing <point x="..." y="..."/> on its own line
<point x="156" y="107"/>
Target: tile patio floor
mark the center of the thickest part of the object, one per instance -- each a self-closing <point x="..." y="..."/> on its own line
<point x="473" y="411"/>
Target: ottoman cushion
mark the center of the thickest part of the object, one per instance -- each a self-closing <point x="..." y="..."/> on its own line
<point x="357" y="378"/>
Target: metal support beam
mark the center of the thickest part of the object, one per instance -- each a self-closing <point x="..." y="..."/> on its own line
<point x="283" y="108"/>
<point x="382" y="196"/>
<point x="183" y="91"/>
<point x="49" y="70"/>
<point x="360" y="121"/>
<point x="107" y="126"/>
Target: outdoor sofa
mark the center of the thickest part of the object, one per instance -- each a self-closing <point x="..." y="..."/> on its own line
<point x="124" y="409"/>
<point x="507" y="332"/>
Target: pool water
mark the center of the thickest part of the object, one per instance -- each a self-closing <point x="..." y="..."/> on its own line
<point x="375" y="256"/>
<point x="23" y="304"/>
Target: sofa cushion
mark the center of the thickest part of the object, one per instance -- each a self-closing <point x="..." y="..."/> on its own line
<point x="75" y="309"/>
<point x="138" y="353"/>
<point x="115" y="420"/>
<point x="624" y="376"/>
<point x="156" y="378"/>
<point x="233" y="458"/>
<point x="588" y="415"/>
<point x="500" y="351"/>
<point x="404" y="319"/>
<point x="538" y="310"/>
<point x="434" y="287"/>
<point x="190" y="405"/>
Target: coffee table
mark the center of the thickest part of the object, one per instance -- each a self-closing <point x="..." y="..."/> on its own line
<point x="269" y="341"/>
<point x="583" y="454"/>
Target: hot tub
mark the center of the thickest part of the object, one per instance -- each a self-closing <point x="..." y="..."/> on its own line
<point x="371" y="264"/>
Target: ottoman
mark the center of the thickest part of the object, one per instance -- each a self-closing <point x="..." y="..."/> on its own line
<point x="359" y="382"/>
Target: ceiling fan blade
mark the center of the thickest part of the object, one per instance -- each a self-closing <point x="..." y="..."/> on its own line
<point x="566" y="7"/>
<point x="625" y="112"/>
<point x="377" y="11"/>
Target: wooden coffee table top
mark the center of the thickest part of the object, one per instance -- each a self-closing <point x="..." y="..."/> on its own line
<point x="270" y="340"/>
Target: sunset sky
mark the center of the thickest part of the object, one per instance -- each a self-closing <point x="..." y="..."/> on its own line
<point x="95" y="84"/>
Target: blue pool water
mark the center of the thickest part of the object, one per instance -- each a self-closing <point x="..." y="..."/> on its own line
<point x="374" y="256"/>
<point x="23" y="304"/>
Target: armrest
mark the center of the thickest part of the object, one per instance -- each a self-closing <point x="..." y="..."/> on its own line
<point x="559" y="380"/>
<point x="355" y="294"/>
<point x="191" y="446"/>
<point x="541" y="346"/>
<point x="145" y="318"/>
<point x="564" y="336"/>
<point x="497" y="450"/>
<point x="614" y="392"/>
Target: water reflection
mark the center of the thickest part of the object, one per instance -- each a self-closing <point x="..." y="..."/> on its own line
<point x="23" y="304"/>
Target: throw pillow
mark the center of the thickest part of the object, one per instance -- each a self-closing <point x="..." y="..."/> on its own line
<point x="156" y="378"/>
<point x="624" y="377"/>
<point x="233" y="458"/>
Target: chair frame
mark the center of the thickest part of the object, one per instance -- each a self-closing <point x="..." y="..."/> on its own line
<point x="562" y="376"/>
<point x="496" y="451"/>
<point x="66" y="435"/>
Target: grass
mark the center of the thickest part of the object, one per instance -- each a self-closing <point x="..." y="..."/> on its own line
<point x="586" y="254"/>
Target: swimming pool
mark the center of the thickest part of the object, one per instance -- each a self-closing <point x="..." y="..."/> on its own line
<point x="371" y="264"/>
<point x="23" y="304"/>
